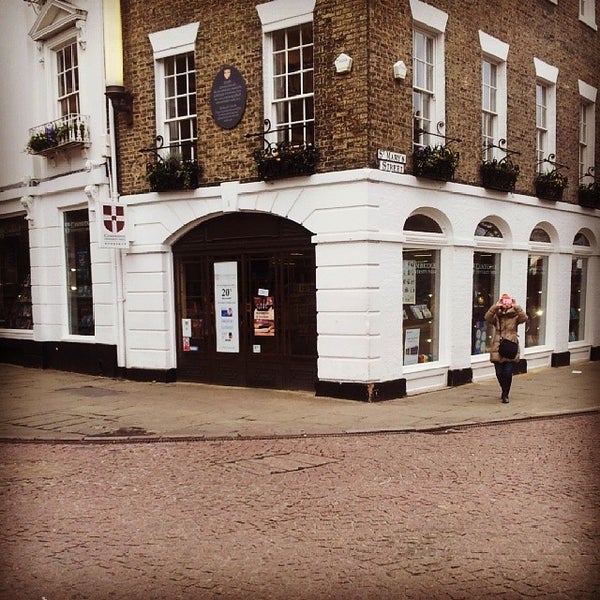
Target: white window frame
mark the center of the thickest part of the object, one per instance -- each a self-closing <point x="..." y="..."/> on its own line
<point x="489" y="109"/>
<point x="584" y="253"/>
<point x="276" y="16"/>
<point x="72" y="43"/>
<point x="432" y="21"/>
<point x="587" y="13"/>
<point x="166" y="44"/>
<point x="587" y="138"/>
<point x="546" y="76"/>
<point x="495" y="52"/>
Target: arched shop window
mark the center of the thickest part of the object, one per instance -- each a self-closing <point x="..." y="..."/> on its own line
<point x="539" y="235"/>
<point x="486" y="284"/>
<point x="579" y="267"/>
<point x="487" y="229"/>
<point x="422" y="223"/>
<point x="537" y="288"/>
<point x="420" y="289"/>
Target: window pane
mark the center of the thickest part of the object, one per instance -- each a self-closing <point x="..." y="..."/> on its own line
<point x="293" y="36"/>
<point x="297" y="110"/>
<point x="279" y="87"/>
<point x="182" y="106"/>
<point x="307" y="34"/>
<point x="68" y="58"/>
<point x="422" y="223"/>
<point x="539" y="235"/>
<point x="279" y="63"/>
<point x="181" y="63"/>
<point x="294" y="85"/>
<point x="279" y="40"/>
<point x="581" y="240"/>
<point x="307" y="83"/>
<point x="79" y="273"/>
<point x="171" y="110"/>
<point x="307" y="57"/>
<point x="536" y="300"/>
<point x="185" y="131"/>
<point x="487" y="229"/>
<point x="181" y="85"/>
<point x="577" y="309"/>
<point x="420" y="285"/>
<point x="294" y="61"/>
<point x="486" y="277"/>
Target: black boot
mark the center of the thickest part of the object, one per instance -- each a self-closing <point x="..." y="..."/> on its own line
<point x="506" y="383"/>
<point x="501" y="382"/>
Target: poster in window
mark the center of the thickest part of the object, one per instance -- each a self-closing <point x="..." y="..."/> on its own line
<point x="409" y="281"/>
<point x="411" y="346"/>
<point x="264" y="316"/>
<point x="226" y="307"/>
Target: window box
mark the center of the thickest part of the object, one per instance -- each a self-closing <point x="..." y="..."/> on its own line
<point x="172" y="173"/>
<point x="283" y="160"/>
<point x="550" y="185"/>
<point x="435" y="162"/>
<point x="499" y="174"/>
<point x="69" y="131"/>
<point x="589" y="195"/>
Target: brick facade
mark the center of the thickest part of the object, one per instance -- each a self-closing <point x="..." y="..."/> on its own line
<point x="357" y="113"/>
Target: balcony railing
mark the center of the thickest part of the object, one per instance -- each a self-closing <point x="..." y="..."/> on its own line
<point x="70" y="131"/>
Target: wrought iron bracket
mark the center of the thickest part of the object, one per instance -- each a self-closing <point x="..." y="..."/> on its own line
<point x="268" y="129"/>
<point x="589" y="173"/>
<point x="440" y="125"/>
<point x="551" y="160"/>
<point x="501" y="145"/>
<point x="160" y="145"/>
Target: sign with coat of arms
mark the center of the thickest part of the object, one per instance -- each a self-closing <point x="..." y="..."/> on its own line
<point x="113" y="229"/>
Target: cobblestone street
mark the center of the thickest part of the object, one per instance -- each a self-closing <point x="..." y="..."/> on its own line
<point x="503" y="511"/>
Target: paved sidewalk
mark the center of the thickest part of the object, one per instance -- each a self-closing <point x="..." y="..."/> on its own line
<point x="53" y="405"/>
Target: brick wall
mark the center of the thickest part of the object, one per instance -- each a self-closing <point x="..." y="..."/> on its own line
<point x="357" y="113"/>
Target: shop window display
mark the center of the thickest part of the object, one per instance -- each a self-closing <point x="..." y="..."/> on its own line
<point x="537" y="277"/>
<point x="420" y="305"/>
<point x="79" y="273"/>
<point x="486" y="275"/>
<point x="15" y="275"/>
<point x="579" y="266"/>
<point x="577" y="308"/>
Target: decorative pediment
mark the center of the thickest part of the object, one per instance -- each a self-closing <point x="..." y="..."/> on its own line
<point x="55" y="17"/>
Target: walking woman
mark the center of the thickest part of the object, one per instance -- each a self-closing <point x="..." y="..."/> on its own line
<point x="505" y="316"/>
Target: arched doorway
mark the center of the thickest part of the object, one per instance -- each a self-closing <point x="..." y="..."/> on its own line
<point x="246" y="303"/>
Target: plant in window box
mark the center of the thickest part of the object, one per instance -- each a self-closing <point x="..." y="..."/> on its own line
<point x="435" y="162"/>
<point x="47" y="138"/>
<point x="277" y="161"/>
<point x="172" y="173"/>
<point x="550" y="185"/>
<point x="499" y="174"/>
<point x="588" y="195"/>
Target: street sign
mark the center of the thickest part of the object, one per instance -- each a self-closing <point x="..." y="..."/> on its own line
<point x="391" y="162"/>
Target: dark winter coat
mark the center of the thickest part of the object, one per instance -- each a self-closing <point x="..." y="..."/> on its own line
<point x="506" y="323"/>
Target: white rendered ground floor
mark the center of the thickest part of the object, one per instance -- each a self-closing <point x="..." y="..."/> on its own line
<point x="360" y="284"/>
